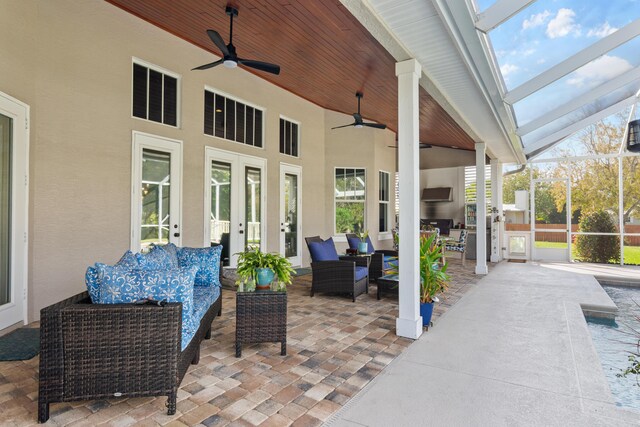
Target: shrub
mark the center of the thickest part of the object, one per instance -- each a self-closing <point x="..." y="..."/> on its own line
<point x="600" y="249"/>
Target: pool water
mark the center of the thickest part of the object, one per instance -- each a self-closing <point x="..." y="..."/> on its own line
<point x="614" y="341"/>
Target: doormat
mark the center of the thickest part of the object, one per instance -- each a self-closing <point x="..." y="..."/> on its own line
<point x="21" y="344"/>
<point x="303" y="271"/>
<point x="522" y="261"/>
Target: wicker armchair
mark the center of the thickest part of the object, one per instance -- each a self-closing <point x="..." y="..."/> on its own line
<point x="338" y="276"/>
<point x="98" y="351"/>
<point x="377" y="265"/>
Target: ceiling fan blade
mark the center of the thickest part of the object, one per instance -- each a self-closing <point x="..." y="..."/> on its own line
<point x="259" y="65"/>
<point x="207" y="66"/>
<point x="375" y="125"/>
<point x="217" y="40"/>
<point x="338" y="127"/>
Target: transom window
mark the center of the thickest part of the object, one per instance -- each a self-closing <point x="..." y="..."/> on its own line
<point x="155" y="94"/>
<point x="289" y="137"/>
<point x="383" y="202"/>
<point x="350" y="200"/>
<point x="230" y="119"/>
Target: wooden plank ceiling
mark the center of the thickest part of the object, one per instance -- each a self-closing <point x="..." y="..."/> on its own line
<point x="325" y="55"/>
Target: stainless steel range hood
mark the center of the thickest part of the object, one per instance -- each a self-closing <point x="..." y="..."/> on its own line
<point x="437" y="194"/>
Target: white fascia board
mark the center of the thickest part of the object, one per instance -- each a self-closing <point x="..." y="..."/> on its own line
<point x="574" y="62"/>
<point x="500" y="12"/>
<point x="580" y="101"/>
<point x="547" y="142"/>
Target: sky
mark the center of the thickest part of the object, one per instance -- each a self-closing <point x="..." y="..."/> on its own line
<point x="549" y="31"/>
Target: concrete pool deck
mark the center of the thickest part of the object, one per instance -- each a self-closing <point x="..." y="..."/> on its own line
<point x="513" y="351"/>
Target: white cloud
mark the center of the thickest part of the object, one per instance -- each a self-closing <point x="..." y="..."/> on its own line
<point x="507" y="69"/>
<point x="536" y="20"/>
<point x="528" y="52"/>
<point x="563" y="24"/>
<point x="602" y="31"/>
<point x="599" y="70"/>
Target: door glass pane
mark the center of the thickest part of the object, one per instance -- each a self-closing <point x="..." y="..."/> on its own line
<point x="221" y="206"/>
<point x="252" y="207"/>
<point x="291" y="219"/>
<point x="5" y="211"/>
<point x="156" y="184"/>
<point x="631" y="213"/>
<point x="551" y="215"/>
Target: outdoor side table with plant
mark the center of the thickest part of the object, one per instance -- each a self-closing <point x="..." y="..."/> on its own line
<point x="261" y="299"/>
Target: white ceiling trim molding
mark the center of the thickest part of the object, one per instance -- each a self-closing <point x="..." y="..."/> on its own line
<point x="574" y="62"/>
<point x="580" y="101"/>
<point x="544" y="144"/>
<point x="500" y="12"/>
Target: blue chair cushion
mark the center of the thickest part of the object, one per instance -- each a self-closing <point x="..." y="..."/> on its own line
<point x="128" y="260"/>
<point x="455" y="247"/>
<point x="208" y="261"/>
<point x="156" y="259"/>
<point x="119" y="285"/>
<point x="361" y="273"/>
<point x="390" y="261"/>
<point x="203" y="297"/>
<point x="323" y="251"/>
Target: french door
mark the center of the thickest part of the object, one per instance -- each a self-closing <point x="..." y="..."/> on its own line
<point x="156" y="191"/>
<point x="234" y="202"/>
<point x="14" y="190"/>
<point x="290" y="213"/>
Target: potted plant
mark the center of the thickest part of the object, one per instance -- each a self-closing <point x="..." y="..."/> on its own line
<point x="363" y="246"/>
<point x="261" y="268"/>
<point x="433" y="276"/>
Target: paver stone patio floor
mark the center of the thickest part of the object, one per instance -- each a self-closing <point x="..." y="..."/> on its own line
<point x="334" y="348"/>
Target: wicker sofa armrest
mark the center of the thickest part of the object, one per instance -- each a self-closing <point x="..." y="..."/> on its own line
<point x="387" y="252"/>
<point x="92" y="350"/>
<point x="333" y="271"/>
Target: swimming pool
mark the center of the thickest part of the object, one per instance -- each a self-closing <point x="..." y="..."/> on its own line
<point x="613" y="343"/>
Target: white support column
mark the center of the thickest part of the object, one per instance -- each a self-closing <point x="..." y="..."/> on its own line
<point x="497" y="230"/>
<point x="481" y="211"/>
<point x="409" y="322"/>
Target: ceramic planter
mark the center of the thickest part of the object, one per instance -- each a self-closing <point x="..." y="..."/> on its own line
<point x="264" y="277"/>
<point x="426" y="311"/>
<point x="363" y="247"/>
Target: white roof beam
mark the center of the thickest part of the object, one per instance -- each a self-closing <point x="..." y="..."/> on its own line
<point x="500" y="12"/>
<point x="574" y="62"/>
<point x="580" y="101"/>
<point x="557" y="137"/>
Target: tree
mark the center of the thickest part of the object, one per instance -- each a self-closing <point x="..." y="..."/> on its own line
<point x="595" y="248"/>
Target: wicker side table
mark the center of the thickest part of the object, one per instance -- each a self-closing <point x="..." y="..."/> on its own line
<point x="261" y="316"/>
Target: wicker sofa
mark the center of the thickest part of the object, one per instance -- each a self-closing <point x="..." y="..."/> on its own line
<point x="100" y="351"/>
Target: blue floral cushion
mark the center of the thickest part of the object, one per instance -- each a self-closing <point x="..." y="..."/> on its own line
<point x="156" y="259"/>
<point x="323" y="251"/>
<point x="119" y="285"/>
<point x="208" y="261"/>
<point x="172" y="251"/>
<point x="128" y="260"/>
<point x="203" y="298"/>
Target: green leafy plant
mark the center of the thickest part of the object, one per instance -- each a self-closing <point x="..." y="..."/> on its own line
<point x="433" y="272"/>
<point x="600" y="249"/>
<point x="250" y="260"/>
<point x="363" y="235"/>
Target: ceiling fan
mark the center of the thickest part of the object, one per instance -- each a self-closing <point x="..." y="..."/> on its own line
<point x="422" y="145"/>
<point x="229" y="57"/>
<point x="358" y="119"/>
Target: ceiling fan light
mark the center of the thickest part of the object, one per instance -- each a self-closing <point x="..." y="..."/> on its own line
<point x="359" y="126"/>
<point x="229" y="63"/>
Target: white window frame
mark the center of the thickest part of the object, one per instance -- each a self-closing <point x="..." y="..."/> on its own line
<point x="341" y="237"/>
<point x="247" y="104"/>
<point x="385" y="235"/>
<point x="169" y="73"/>
<point x="297" y="123"/>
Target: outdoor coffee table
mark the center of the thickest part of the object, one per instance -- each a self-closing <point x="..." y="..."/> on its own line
<point x="388" y="284"/>
<point x="261" y="316"/>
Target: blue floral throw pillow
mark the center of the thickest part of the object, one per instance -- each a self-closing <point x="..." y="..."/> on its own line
<point x="156" y="259"/>
<point x="119" y="285"/>
<point x="172" y="251"/>
<point x="208" y="259"/>
<point x="128" y="260"/>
